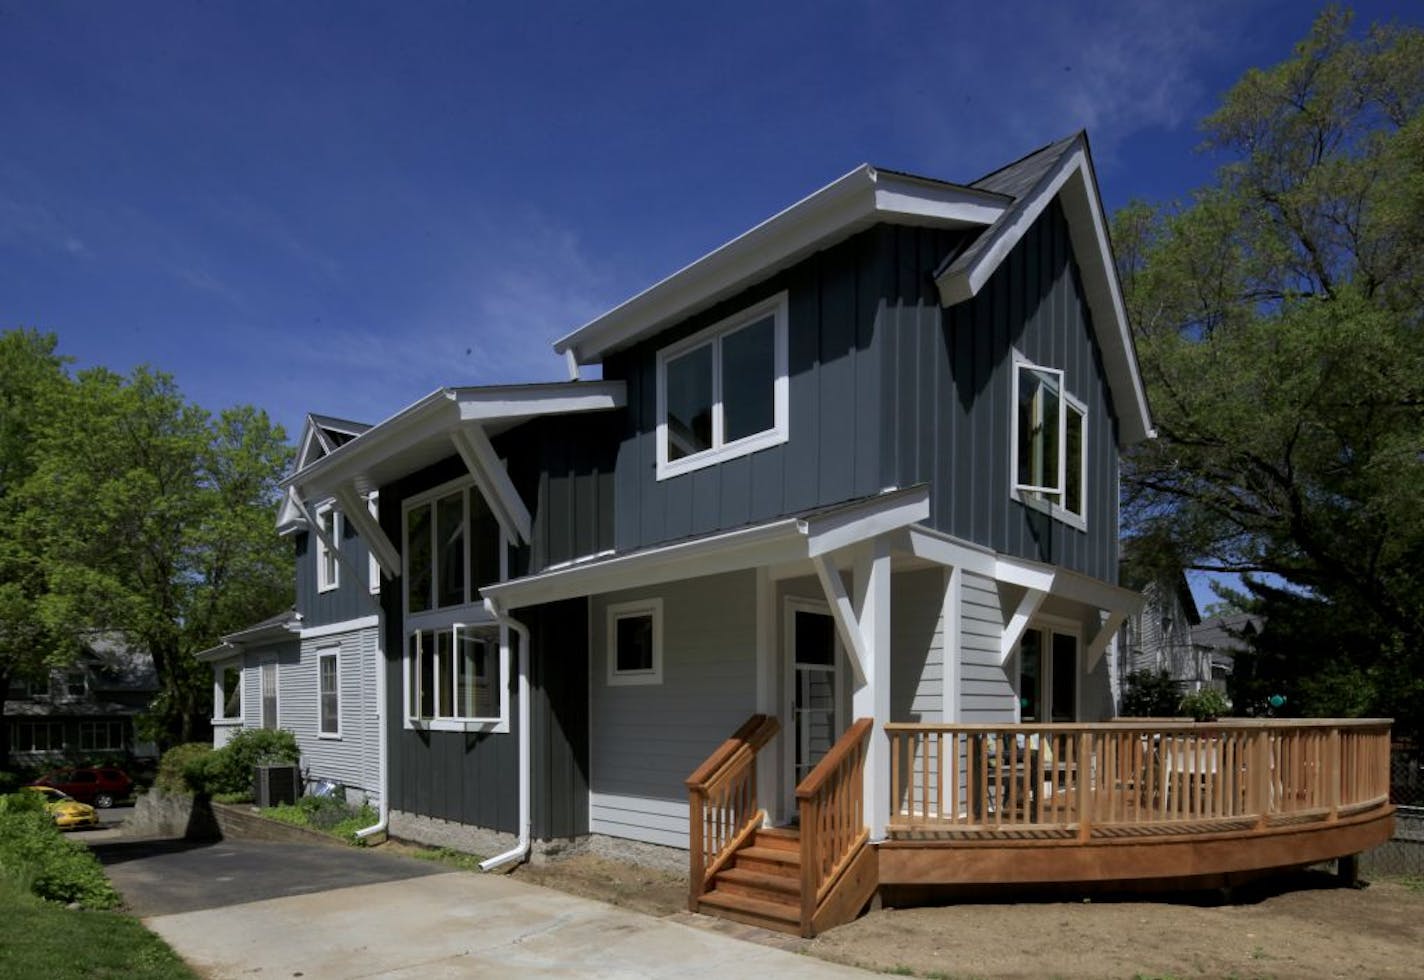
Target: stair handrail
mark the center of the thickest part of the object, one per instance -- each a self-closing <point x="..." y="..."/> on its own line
<point x="832" y="812"/>
<point x="728" y="774"/>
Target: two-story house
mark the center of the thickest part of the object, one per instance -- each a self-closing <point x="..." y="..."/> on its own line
<point x="857" y="466"/>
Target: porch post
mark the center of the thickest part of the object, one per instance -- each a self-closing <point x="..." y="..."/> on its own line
<point x="872" y="699"/>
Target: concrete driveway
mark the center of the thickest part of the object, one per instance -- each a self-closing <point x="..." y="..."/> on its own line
<point x="242" y="908"/>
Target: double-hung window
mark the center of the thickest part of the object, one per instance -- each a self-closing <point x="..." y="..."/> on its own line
<point x="1050" y="431"/>
<point x="457" y="658"/>
<point x="328" y="563"/>
<point x="722" y="392"/>
<point x="328" y="670"/>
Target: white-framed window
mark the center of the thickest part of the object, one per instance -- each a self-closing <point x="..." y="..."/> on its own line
<point x="101" y="736"/>
<point x="457" y="678"/>
<point x="1048" y="668"/>
<point x="328" y="563"/>
<point x="452" y="546"/>
<point x="1049" y="443"/>
<point x="328" y="678"/>
<point x="635" y="642"/>
<point x="373" y="567"/>
<point x="723" y="392"/>
<point x="230" y="693"/>
<point x="268" y="679"/>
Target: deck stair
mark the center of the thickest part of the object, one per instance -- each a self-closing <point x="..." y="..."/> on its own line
<point x="761" y="885"/>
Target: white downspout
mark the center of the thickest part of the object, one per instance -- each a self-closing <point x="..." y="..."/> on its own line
<point x="521" y="847"/>
<point x="384" y="815"/>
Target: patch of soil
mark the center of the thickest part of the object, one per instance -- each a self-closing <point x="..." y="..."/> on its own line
<point x="1303" y="926"/>
<point x="630" y="886"/>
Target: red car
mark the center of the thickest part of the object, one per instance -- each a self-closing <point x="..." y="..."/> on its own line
<point x="98" y="785"/>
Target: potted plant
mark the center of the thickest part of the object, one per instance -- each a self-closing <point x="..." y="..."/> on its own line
<point x="1208" y="704"/>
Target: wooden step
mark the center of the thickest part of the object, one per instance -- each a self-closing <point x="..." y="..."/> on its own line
<point x="740" y="908"/>
<point x="769" y="860"/>
<point x="759" y="885"/>
<point x="779" y="838"/>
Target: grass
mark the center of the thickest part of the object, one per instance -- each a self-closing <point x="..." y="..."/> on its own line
<point x="329" y="816"/>
<point x="458" y="860"/>
<point x="42" y="939"/>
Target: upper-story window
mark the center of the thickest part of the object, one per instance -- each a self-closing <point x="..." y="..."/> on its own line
<point x="328" y="563"/>
<point x="453" y="545"/>
<point x="1050" y="431"/>
<point x="722" y="392"/>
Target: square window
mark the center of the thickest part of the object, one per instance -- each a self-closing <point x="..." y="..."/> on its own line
<point x="723" y="392"/>
<point x="635" y="643"/>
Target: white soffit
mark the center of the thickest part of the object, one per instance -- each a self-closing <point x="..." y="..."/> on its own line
<point x="861" y="198"/>
<point x="1073" y="178"/>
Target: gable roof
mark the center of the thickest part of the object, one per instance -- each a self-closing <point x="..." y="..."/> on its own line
<point x="1004" y="204"/>
<point x="322" y="435"/>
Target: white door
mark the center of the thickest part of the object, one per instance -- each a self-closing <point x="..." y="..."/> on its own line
<point x="814" y="710"/>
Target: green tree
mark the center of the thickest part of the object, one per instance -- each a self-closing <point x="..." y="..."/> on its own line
<point x="31" y="377"/>
<point x="155" y="521"/>
<point x="1279" y="321"/>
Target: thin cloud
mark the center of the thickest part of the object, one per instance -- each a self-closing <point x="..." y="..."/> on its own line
<point x="32" y="225"/>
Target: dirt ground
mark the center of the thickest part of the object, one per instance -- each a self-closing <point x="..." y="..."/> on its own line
<point x="1301" y="926"/>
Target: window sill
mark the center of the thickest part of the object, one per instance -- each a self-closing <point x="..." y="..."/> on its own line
<point x="633" y="680"/>
<point x="225" y="722"/>
<point x="1052" y="510"/>
<point x="721" y="454"/>
<point x="496" y="726"/>
<point x="327" y="588"/>
<point x="329" y="736"/>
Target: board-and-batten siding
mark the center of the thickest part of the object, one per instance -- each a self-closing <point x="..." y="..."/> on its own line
<point x="949" y="384"/>
<point x="647" y="739"/>
<point x="986" y="696"/>
<point x="835" y="379"/>
<point x="352" y="599"/>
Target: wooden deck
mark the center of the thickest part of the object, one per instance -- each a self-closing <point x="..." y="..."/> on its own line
<point x="1125" y="801"/>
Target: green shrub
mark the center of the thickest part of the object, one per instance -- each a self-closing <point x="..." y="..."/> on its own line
<point x="1150" y="694"/>
<point x="328" y="814"/>
<point x="1205" y="705"/>
<point x="174" y="764"/>
<point x="35" y="857"/>
<point x="226" y="773"/>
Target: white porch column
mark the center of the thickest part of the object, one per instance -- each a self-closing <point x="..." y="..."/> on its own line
<point x="872" y="698"/>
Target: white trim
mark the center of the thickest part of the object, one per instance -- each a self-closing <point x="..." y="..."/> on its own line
<point x="472" y="603"/>
<point x="1018" y="623"/>
<point x="220" y="668"/>
<point x="842" y="612"/>
<point x="951" y="645"/>
<point x="1041" y="497"/>
<point x="373" y="570"/>
<point x="858" y="200"/>
<point x="1048" y="627"/>
<point x="345" y="626"/>
<point x="790" y="606"/>
<point x="489" y="473"/>
<point x="713" y="337"/>
<point x="333" y="653"/>
<point x="616" y="612"/>
<point x="1111" y="623"/>
<point x="328" y="547"/>
<point x="1088" y="230"/>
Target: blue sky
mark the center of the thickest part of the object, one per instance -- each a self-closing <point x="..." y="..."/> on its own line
<point x="338" y="207"/>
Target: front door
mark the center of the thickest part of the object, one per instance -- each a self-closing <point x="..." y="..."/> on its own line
<point x="816" y="687"/>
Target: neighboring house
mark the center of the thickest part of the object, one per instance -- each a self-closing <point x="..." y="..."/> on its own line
<point x="86" y="711"/>
<point x="313" y="669"/>
<point x="1218" y="640"/>
<point x="1159" y="637"/>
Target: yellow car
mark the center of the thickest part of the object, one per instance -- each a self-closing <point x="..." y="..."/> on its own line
<point x="65" y="809"/>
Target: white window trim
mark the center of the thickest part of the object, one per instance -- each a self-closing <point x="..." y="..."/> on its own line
<point x="495" y="725"/>
<point x="722" y="451"/>
<point x="323" y="553"/>
<point x="276" y="694"/>
<point x="442" y="616"/>
<point x="1032" y="498"/>
<point x="219" y="702"/>
<point x="333" y="653"/>
<point x="373" y="504"/>
<point x="633" y="610"/>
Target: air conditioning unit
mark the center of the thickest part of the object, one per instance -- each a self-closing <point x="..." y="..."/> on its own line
<point x="274" y="785"/>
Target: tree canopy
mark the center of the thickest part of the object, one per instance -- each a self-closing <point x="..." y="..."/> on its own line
<point x="1279" y="322"/>
<point x="139" y="513"/>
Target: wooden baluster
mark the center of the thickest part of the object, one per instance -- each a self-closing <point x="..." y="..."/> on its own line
<point x="1085" y="810"/>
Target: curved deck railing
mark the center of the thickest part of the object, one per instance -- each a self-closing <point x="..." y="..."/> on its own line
<point x="1131" y="778"/>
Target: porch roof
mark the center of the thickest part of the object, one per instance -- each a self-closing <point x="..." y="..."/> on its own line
<point x="802" y="536"/>
<point x="283" y="626"/>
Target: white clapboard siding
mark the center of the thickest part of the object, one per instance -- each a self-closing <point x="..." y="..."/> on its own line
<point x="986" y="695"/>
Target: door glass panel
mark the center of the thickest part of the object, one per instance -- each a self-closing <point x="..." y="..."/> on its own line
<point x="748" y="380"/>
<point x="1031" y="676"/>
<point x="1065" y="677"/>
<point x="689" y="403"/>
<point x="814" y="679"/>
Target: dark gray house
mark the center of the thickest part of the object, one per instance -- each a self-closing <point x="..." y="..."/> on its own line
<point x="859" y="462"/>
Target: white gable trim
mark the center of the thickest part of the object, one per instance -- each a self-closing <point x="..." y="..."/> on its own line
<point x="861" y="198"/>
<point x="1074" y="180"/>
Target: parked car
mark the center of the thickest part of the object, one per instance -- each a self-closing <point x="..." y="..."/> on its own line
<point x="97" y="785"/>
<point x="64" y="809"/>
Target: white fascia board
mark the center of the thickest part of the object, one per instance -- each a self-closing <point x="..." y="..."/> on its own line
<point x="1088" y="231"/>
<point x="345" y="626"/>
<point x="1077" y="587"/>
<point x="767" y="544"/>
<point x="217" y="654"/>
<point x="561" y="398"/>
<point x="413" y="422"/>
<point x="859" y="199"/>
<point x="944" y="549"/>
<point x="890" y="511"/>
